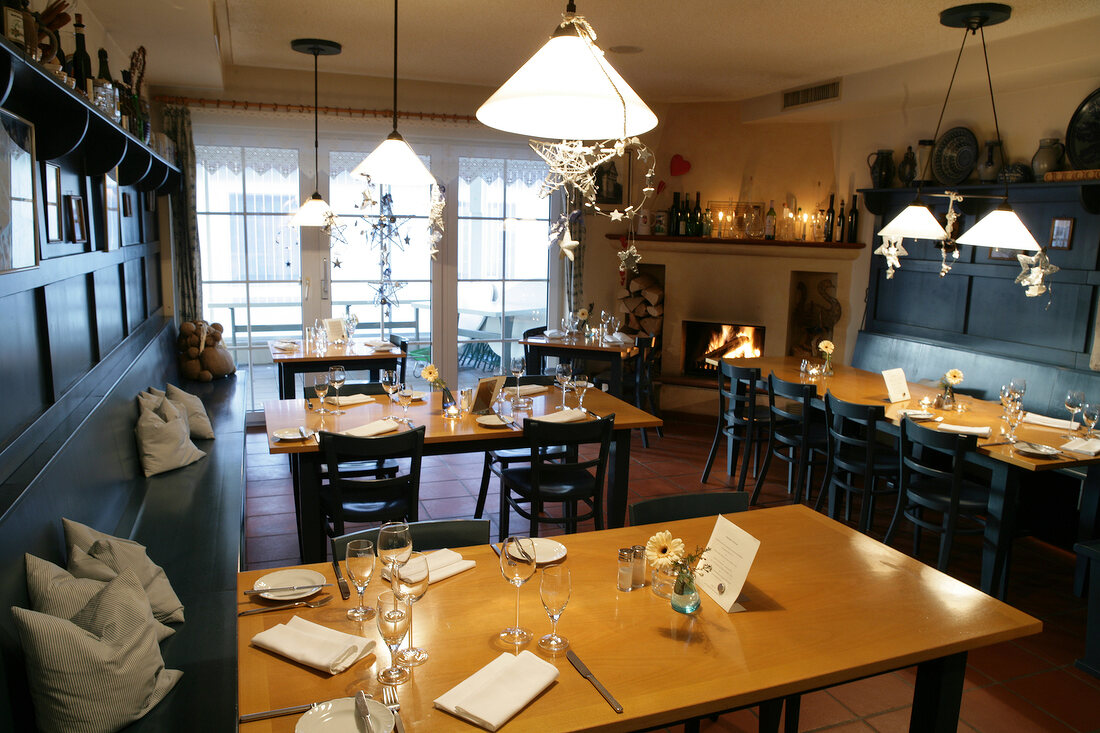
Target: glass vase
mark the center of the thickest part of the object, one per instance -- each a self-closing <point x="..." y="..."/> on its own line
<point x="685" y="597"/>
<point x="947" y="399"/>
<point x="450" y="404"/>
<point x="662" y="582"/>
<point x="827" y="369"/>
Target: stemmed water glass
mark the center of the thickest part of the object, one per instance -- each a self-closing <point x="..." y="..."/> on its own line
<point x="518" y="367"/>
<point x="517" y="565"/>
<point x="554" y="589"/>
<point x="1018" y="387"/>
<point x="320" y="387"/>
<point x="394" y="547"/>
<point x="1074" y="401"/>
<point x="352" y="322"/>
<point x="390" y="384"/>
<point x="394" y="617"/>
<point x="1090" y="414"/>
<point x="412" y="584"/>
<point x="580" y="386"/>
<point x="359" y="561"/>
<point x="336" y="377"/>
<point x="405" y="398"/>
<point x="563" y="373"/>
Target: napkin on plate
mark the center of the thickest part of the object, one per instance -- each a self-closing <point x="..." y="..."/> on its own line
<point x="285" y="345"/>
<point x="314" y="645"/>
<point x="569" y="415"/>
<point x="916" y="414"/>
<point x="1033" y="418"/>
<point x="527" y="389"/>
<point x="442" y="564"/>
<point x="1089" y="447"/>
<point x="553" y="333"/>
<point x="499" y="690"/>
<point x="378" y="427"/>
<point x="982" y="431"/>
<point x="377" y="343"/>
<point x="349" y="400"/>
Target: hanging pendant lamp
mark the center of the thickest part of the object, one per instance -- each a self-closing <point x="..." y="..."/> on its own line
<point x="314" y="212"/>
<point x="568" y="91"/>
<point x="394" y="162"/>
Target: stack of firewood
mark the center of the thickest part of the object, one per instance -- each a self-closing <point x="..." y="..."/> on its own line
<point x="641" y="305"/>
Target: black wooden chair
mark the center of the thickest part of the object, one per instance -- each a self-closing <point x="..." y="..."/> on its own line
<point x="645" y="393"/>
<point x="742" y="419"/>
<point x="427" y="535"/>
<point x="349" y="495"/>
<point x="687" y="506"/>
<point x="858" y="461"/>
<point x="932" y="477"/>
<point x="572" y="480"/>
<point x="541" y="365"/>
<point x="794" y="435"/>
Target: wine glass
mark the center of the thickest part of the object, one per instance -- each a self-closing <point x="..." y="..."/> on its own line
<point x="1074" y="400"/>
<point x="1090" y="413"/>
<point x="320" y="387"/>
<point x="563" y="373"/>
<point x="1018" y="387"/>
<point x="1015" y="414"/>
<point x="352" y="321"/>
<point x="519" y="366"/>
<point x="412" y="584"/>
<point x="554" y="589"/>
<point x="390" y="384"/>
<point x="336" y="377"/>
<point x="394" y="617"/>
<point x="394" y="547"/>
<point x="360" y="564"/>
<point x="580" y="386"/>
<point x="517" y="565"/>
<point x="405" y="398"/>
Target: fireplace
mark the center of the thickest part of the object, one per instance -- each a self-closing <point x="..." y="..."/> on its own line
<point x="709" y="340"/>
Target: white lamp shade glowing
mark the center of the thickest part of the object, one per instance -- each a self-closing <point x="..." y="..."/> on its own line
<point x="1000" y="228"/>
<point x="394" y="162"/>
<point x="915" y="222"/>
<point x="568" y="91"/>
<point x="313" y="212"/>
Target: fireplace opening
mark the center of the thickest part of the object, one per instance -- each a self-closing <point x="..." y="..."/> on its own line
<point x="705" y="340"/>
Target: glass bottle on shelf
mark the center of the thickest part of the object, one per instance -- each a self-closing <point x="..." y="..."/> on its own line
<point x="674" y="215"/>
<point x="830" y="219"/>
<point x="800" y="226"/>
<point x="697" y="218"/>
<point x="853" y="220"/>
<point x="708" y="225"/>
<point x="684" y="223"/>
<point x="754" y="227"/>
<point x="840" y="222"/>
<point x="82" y="62"/>
<point x="769" y="221"/>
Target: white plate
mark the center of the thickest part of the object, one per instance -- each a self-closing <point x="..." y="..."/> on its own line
<point x="1036" y="449"/>
<point x="284" y="578"/>
<point x="291" y="434"/>
<point x="338" y="716"/>
<point x="547" y="551"/>
<point x="417" y="396"/>
<point x="491" y="421"/>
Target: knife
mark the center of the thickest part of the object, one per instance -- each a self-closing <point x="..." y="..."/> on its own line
<point x="345" y="592"/>
<point x="257" y="591"/>
<point x="576" y="662"/>
<point x="363" y="711"/>
<point x="249" y="717"/>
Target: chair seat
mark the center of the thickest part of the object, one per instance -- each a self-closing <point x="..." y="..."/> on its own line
<point x="787" y="432"/>
<point x="560" y="486"/>
<point x="973" y="498"/>
<point x="850" y="459"/>
<point x="513" y="455"/>
<point x="365" y="511"/>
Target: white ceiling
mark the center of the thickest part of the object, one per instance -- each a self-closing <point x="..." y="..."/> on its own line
<point x="692" y="50"/>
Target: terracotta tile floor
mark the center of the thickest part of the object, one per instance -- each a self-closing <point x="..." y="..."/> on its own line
<point x="1027" y="685"/>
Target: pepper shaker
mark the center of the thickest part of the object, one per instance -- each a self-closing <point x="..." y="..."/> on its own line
<point x="626" y="570"/>
<point x="638" y="576"/>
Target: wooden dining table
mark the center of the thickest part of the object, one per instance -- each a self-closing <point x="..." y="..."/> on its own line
<point x="823" y="605"/>
<point x="442" y="436"/>
<point x="356" y="355"/>
<point x="540" y="347"/>
<point x="1006" y="464"/>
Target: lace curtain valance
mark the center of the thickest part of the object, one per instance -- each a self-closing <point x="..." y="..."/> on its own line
<point x="258" y="160"/>
<point x="529" y="172"/>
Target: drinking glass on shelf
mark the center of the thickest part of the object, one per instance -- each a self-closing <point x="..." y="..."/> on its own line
<point x="405" y="398"/>
<point x="336" y="377"/>
<point x="320" y="388"/>
<point x="580" y="386"/>
<point x="412" y="584"/>
<point x="1090" y="413"/>
<point x="360" y="565"/>
<point x="1074" y="400"/>
<point x="394" y="617"/>
<point x="517" y="565"/>
<point x="563" y="373"/>
<point x="518" y="367"/>
<point x="554" y="589"/>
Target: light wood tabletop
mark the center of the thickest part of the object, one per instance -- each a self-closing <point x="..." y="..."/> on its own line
<point x="359" y="353"/>
<point x="824" y="605"/>
<point x="581" y="344"/>
<point x="541" y="347"/>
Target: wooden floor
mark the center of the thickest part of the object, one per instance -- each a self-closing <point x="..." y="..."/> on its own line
<point x="1029" y="685"/>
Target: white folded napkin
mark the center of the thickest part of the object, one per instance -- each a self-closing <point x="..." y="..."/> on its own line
<point x="916" y="414"/>
<point x="442" y="564"/>
<point x="553" y="333"/>
<point x="527" y="389"/>
<point x="377" y="343"/>
<point x="620" y="338"/>
<point x="314" y="645"/>
<point x="982" y="431"/>
<point x="347" y="400"/>
<point x="569" y="415"/>
<point x="285" y="345"/>
<point x="1089" y="447"/>
<point x="499" y="690"/>
<point x="378" y="427"/>
<point x="1033" y="418"/>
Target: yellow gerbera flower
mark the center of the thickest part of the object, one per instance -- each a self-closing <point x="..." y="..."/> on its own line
<point x="430" y="373"/>
<point x="826" y="346"/>
<point x="663" y="550"/>
<point x="953" y="377"/>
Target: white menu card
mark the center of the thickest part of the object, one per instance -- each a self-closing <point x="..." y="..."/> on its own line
<point x="896" y="386"/>
<point x="730" y="552"/>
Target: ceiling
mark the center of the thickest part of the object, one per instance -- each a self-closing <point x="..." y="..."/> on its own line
<point x="691" y="50"/>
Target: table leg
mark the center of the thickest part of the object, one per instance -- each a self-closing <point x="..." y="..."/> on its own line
<point x="1000" y="526"/>
<point x="938" y="694"/>
<point x="311" y="540"/>
<point x="618" y="479"/>
<point x="286" y="381"/>
<point x="1088" y="526"/>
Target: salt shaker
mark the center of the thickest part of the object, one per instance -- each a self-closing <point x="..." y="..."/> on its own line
<point x="626" y="569"/>
<point x="637" y="578"/>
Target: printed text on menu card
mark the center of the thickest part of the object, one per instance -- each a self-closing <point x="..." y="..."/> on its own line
<point x="730" y="552"/>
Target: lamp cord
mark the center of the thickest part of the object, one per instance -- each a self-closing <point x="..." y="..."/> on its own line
<point x="936" y="134"/>
<point x="993" y="102"/>
<point x="395" y="65"/>
<point x="316" y="183"/>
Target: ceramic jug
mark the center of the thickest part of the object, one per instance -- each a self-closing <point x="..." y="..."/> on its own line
<point x="882" y="168"/>
<point x="990" y="161"/>
<point x="907" y="168"/>
<point x="1048" y="157"/>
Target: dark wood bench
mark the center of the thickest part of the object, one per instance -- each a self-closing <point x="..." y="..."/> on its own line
<point x="190" y="520"/>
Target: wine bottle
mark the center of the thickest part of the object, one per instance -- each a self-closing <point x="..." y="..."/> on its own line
<point x="104" y="71"/>
<point x="840" y="222"/>
<point x="697" y="218"/>
<point x="783" y="228"/>
<point x="82" y="62"/>
<point x="708" y="224"/>
<point x="674" y="215"/>
<point x="830" y="218"/>
<point x="769" y="221"/>
<point x="853" y="220"/>
<point x="799" y="226"/>
<point x="685" y="216"/>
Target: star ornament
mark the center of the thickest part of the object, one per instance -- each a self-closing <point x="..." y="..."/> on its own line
<point x="629" y="259"/>
<point x="1033" y="269"/>
<point x="568" y="245"/>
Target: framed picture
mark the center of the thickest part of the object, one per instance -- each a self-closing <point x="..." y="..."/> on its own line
<point x="18" y="194"/>
<point x="127" y="205"/>
<point x="610" y="182"/>
<point x="77" y="218"/>
<point x="55" y="222"/>
<point x="1061" y="233"/>
<point x="150" y="200"/>
<point x="487" y="390"/>
<point x="997" y="253"/>
<point x="112" y="222"/>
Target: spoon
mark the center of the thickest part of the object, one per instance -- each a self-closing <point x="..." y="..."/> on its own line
<point x="308" y="604"/>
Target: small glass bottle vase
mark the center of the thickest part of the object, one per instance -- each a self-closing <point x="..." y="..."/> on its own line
<point x="947" y="399"/>
<point x="662" y="582"/>
<point x="685" y="597"/>
<point x="451" y="407"/>
<point x="827" y="368"/>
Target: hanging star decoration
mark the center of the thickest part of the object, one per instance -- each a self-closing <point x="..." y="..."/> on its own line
<point x="568" y="245"/>
<point x="573" y="165"/>
<point x="948" y="245"/>
<point x="891" y="249"/>
<point x="1033" y="269"/>
<point x="336" y="263"/>
<point x="629" y="259"/>
<point x="334" y="228"/>
<point x="561" y="235"/>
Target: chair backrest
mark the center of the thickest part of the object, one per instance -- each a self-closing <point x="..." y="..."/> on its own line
<point x="339" y="449"/>
<point x="542" y="435"/>
<point x="934" y="455"/>
<point x="427" y="535"/>
<point x="402" y="343"/>
<point x="533" y="368"/>
<point x="365" y="388"/>
<point x="687" y="506"/>
<point x="853" y="428"/>
<point x="737" y="394"/>
<point x="543" y="379"/>
<point x="648" y="354"/>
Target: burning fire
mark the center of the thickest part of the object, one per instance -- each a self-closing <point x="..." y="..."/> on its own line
<point x="739" y="341"/>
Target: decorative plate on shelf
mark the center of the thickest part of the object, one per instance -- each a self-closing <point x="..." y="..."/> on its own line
<point x="954" y="157"/>
<point x="1083" y="134"/>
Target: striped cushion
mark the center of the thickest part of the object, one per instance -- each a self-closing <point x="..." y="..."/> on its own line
<point x="164" y="439"/>
<point x="99" y="671"/>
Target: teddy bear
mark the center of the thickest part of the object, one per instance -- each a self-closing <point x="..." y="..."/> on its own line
<point x="202" y="352"/>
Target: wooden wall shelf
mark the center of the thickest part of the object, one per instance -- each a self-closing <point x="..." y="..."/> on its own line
<point x="754" y="242"/>
<point x="878" y="200"/>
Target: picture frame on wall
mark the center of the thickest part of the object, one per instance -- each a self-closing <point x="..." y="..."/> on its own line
<point x="150" y="200"/>
<point x="55" y="222"/>
<point x="127" y="205"/>
<point x="1061" y="232"/>
<point x="112" y="220"/>
<point x="998" y="253"/>
<point x="77" y="218"/>
<point x="610" y="183"/>
<point x="19" y="193"/>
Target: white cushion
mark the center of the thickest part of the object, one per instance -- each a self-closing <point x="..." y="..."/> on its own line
<point x="99" y="671"/>
<point x="164" y="442"/>
<point x="196" y="412"/>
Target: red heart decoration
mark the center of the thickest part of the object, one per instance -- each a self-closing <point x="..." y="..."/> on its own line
<point x="678" y="166"/>
<point x="660" y="187"/>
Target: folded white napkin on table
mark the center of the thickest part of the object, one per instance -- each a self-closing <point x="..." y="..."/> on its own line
<point x="1033" y="418"/>
<point x="351" y="399"/>
<point x="620" y="338"/>
<point x="553" y="333"/>
<point x="569" y="415"/>
<point x="442" y="564"/>
<point x="377" y="343"/>
<point x="314" y="645"/>
<point x="916" y="414"/>
<point x="378" y="427"/>
<point x="285" y="345"/>
<point x="499" y="690"/>
<point x="527" y="389"/>
<point x="982" y="431"/>
<point x="1089" y="447"/>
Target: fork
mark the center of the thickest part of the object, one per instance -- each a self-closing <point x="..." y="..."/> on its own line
<point x="389" y="698"/>
<point x="308" y="604"/>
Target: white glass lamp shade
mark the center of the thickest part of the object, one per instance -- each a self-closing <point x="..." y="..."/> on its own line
<point x="313" y="212"/>
<point x="1000" y="228"/>
<point x="915" y="222"/>
<point x="568" y="91"/>
<point x="394" y="162"/>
